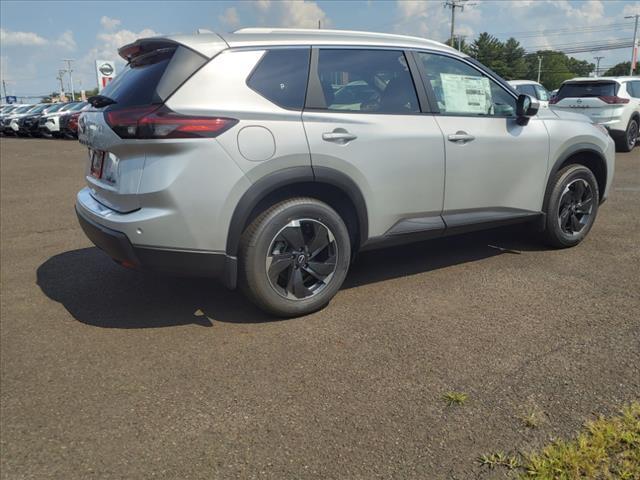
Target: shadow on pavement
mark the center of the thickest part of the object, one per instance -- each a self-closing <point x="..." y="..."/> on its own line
<point x="97" y="291"/>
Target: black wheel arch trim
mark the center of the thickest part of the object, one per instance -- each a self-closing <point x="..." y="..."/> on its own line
<point x="568" y="153"/>
<point x="290" y="176"/>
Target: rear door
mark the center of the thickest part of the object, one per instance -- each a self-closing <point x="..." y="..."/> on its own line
<point x="495" y="168"/>
<point x="592" y="98"/>
<point x="362" y="117"/>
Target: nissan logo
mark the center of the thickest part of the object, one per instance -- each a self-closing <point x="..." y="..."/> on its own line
<point x="106" y="69"/>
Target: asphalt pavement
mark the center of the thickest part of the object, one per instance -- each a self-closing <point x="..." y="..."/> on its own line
<point x="111" y="373"/>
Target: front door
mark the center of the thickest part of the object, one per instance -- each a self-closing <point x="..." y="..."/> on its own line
<point x="495" y="168"/>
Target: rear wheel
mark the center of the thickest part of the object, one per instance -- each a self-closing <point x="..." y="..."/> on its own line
<point x="629" y="138"/>
<point x="572" y="205"/>
<point x="294" y="257"/>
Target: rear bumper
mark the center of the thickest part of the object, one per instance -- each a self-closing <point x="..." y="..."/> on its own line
<point x="180" y="262"/>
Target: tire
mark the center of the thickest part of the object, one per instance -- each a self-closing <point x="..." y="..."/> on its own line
<point x="305" y="247"/>
<point x="628" y="140"/>
<point x="572" y="206"/>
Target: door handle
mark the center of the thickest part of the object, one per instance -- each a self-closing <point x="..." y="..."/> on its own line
<point x="339" y="135"/>
<point x="461" y="137"/>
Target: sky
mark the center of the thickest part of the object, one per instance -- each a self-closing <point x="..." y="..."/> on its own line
<point x="36" y="36"/>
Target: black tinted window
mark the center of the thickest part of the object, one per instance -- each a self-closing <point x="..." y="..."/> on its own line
<point x="634" y="89"/>
<point x="136" y="84"/>
<point x="281" y="77"/>
<point x="372" y="81"/>
<point x="588" y="89"/>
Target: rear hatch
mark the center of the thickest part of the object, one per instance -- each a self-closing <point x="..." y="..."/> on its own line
<point x="109" y="128"/>
<point x="597" y="99"/>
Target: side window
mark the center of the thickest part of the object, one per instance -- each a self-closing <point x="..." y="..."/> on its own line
<point x="634" y="89"/>
<point x="542" y="93"/>
<point x="462" y="90"/>
<point x="527" y="90"/>
<point x="372" y="81"/>
<point x="281" y="76"/>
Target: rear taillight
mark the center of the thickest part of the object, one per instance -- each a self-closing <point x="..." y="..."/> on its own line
<point x="553" y="100"/>
<point x="153" y="122"/>
<point x="612" y="100"/>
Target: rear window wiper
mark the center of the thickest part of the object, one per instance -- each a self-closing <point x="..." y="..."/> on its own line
<point x="100" y="101"/>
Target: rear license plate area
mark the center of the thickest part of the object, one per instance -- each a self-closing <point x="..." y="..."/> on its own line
<point x="96" y="159"/>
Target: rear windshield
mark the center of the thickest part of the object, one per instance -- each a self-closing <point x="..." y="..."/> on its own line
<point x="151" y="78"/>
<point x="588" y="89"/>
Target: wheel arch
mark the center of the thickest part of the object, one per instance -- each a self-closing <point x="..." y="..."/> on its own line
<point x="323" y="183"/>
<point x="588" y="155"/>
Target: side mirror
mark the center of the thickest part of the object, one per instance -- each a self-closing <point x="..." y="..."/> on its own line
<point x="526" y="107"/>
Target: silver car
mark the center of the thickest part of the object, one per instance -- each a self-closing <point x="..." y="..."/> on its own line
<point x="269" y="157"/>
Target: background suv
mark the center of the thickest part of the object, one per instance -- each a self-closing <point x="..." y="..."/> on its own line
<point x="269" y="157"/>
<point x="533" y="89"/>
<point x="613" y="102"/>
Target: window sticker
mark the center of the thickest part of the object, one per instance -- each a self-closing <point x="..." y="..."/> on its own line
<point x="466" y="93"/>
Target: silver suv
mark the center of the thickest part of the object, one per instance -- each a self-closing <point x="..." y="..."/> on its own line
<point x="269" y="157"/>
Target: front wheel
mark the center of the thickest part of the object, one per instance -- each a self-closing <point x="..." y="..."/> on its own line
<point x="572" y="205"/>
<point x="294" y="257"/>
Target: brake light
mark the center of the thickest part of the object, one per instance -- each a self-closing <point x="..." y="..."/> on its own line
<point x="613" y="100"/>
<point x="554" y="100"/>
<point x="153" y="122"/>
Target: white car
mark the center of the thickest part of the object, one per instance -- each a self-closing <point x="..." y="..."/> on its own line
<point x="50" y="122"/>
<point x="613" y="102"/>
<point x="533" y="89"/>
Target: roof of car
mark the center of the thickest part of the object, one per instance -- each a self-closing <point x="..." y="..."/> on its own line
<point x="597" y="79"/>
<point x="252" y="37"/>
<point x="523" y="82"/>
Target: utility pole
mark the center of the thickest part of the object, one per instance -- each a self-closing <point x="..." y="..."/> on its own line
<point x="597" y="59"/>
<point x="4" y="87"/>
<point x="539" y="66"/>
<point x="453" y="4"/>
<point x="319" y="24"/>
<point x="61" y="78"/>
<point x="634" y="46"/>
<point x="69" y="70"/>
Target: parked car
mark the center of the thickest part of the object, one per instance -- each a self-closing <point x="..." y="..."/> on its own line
<point x="613" y="102"/>
<point x="533" y="89"/>
<point x="69" y="120"/>
<point x="10" y="122"/>
<point x="49" y="124"/>
<point x="28" y="124"/>
<point x="224" y="156"/>
<point x="5" y="111"/>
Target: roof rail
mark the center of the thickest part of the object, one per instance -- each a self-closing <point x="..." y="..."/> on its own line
<point x="321" y="31"/>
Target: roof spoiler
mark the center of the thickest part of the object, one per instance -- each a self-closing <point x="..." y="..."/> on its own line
<point x="142" y="46"/>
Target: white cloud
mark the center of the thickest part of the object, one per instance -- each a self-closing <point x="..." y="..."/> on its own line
<point x="109" y="23"/>
<point x="230" y="17"/>
<point x="424" y="19"/>
<point x="7" y="37"/>
<point x="291" y="13"/>
<point x="110" y="42"/>
<point x="631" y="9"/>
<point x="66" y="41"/>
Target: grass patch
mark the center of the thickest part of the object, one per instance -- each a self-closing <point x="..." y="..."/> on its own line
<point x="455" y="398"/>
<point x="606" y="449"/>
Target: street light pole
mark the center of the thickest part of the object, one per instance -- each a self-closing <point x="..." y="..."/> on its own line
<point x="633" y="45"/>
<point x="69" y="60"/>
<point x="61" y="78"/>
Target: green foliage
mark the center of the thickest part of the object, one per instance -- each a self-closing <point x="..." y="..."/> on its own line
<point x="508" y="59"/>
<point x="455" y="398"/>
<point x="622" y="69"/>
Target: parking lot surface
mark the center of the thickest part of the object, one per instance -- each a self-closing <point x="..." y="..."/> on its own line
<point x="111" y="373"/>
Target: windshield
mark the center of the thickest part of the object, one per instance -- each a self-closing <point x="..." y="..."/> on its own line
<point x="39" y="108"/>
<point x="55" y="107"/>
<point x="78" y="106"/>
<point x="588" y="89"/>
<point x="68" y="107"/>
<point x="24" y="109"/>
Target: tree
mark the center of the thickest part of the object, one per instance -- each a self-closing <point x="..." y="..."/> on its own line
<point x="622" y="69"/>
<point x="488" y="50"/>
<point x="513" y="58"/>
<point x="556" y="68"/>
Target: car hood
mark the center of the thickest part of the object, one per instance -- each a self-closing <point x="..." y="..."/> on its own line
<point x="571" y="116"/>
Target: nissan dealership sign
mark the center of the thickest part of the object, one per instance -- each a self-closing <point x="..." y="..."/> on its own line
<point x="105" y="71"/>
